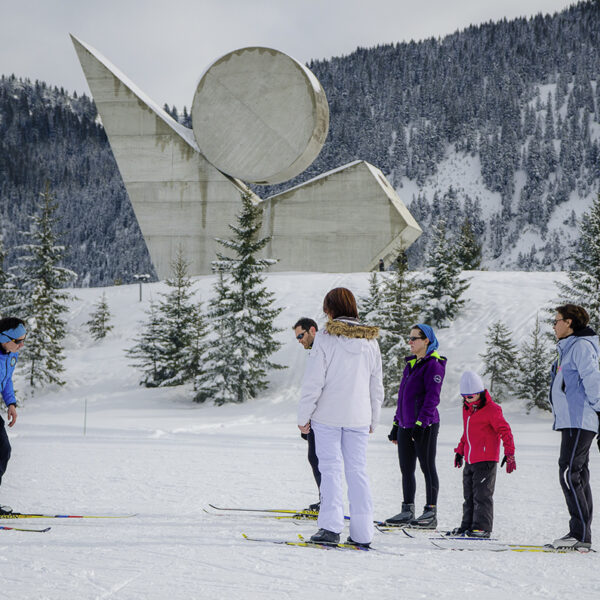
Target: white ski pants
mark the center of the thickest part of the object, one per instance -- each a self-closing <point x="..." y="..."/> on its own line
<point x="344" y="450"/>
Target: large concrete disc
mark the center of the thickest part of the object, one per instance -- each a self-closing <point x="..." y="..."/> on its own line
<point x="260" y="115"/>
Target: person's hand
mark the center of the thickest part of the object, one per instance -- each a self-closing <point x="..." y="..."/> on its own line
<point x="417" y="431"/>
<point x="393" y="435"/>
<point x="510" y="462"/>
<point x="458" y="460"/>
<point x="304" y="428"/>
<point x="12" y="415"/>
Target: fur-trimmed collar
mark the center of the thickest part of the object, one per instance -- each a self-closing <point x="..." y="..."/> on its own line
<point x="352" y="330"/>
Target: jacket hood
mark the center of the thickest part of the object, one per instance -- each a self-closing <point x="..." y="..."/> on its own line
<point x="351" y="328"/>
<point x="584" y="332"/>
<point x="587" y="333"/>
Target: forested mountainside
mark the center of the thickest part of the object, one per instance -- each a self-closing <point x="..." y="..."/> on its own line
<point x="48" y="135"/>
<point x="499" y="122"/>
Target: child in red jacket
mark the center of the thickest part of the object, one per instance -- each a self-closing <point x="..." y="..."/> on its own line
<point x="479" y="445"/>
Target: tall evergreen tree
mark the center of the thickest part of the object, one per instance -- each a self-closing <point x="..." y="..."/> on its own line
<point x="244" y="314"/>
<point x="443" y="284"/>
<point x="46" y="300"/>
<point x="170" y="358"/>
<point x="499" y="360"/>
<point x="391" y="305"/>
<point x="468" y="251"/>
<point x="399" y="312"/>
<point x="148" y="351"/>
<point x="583" y="287"/>
<point x="99" y="323"/>
<point x="532" y="375"/>
<point x="216" y="380"/>
<point x="369" y="306"/>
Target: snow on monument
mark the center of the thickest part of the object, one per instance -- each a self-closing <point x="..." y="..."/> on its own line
<point x="259" y="117"/>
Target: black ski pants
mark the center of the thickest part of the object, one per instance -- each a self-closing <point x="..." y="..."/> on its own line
<point x="479" y="481"/>
<point x="312" y="458"/>
<point x="575" y="480"/>
<point x="4" y="449"/>
<point x="422" y="449"/>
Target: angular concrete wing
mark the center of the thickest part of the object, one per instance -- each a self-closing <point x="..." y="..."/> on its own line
<point x="342" y="221"/>
<point x="179" y="198"/>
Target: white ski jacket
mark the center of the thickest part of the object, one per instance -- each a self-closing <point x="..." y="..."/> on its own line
<point x="343" y="380"/>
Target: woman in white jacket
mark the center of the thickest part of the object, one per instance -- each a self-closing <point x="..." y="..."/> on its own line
<point x="341" y="399"/>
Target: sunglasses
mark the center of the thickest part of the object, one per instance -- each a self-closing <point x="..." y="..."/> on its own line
<point x="301" y="335"/>
<point x="15" y="340"/>
<point x="412" y="338"/>
<point x="469" y="396"/>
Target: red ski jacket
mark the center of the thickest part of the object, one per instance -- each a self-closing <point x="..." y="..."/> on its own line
<point x="483" y="428"/>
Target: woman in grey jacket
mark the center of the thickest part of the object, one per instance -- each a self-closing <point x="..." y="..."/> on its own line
<point x="575" y="398"/>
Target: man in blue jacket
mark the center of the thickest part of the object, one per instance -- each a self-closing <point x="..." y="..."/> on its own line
<point x="12" y="338"/>
<point x="575" y="398"/>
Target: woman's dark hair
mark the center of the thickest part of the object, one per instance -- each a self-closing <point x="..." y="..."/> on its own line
<point x="8" y="323"/>
<point x="422" y="332"/>
<point x="578" y="315"/>
<point x="340" y="302"/>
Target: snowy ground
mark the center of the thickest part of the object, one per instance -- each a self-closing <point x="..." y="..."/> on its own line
<point x="154" y="453"/>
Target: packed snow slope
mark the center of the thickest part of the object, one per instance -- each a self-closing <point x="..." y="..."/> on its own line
<point x="155" y="453"/>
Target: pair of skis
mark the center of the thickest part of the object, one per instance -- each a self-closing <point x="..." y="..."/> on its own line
<point x="443" y="542"/>
<point x="17" y="515"/>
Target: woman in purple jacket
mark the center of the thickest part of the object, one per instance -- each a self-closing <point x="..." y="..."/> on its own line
<point x="416" y="425"/>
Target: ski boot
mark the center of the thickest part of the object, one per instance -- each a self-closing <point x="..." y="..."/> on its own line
<point x="324" y="536"/>
<point x="478" y="533"/>
<point x="359" y="544"/>
<point x="402" y="518"/>
<point x="428" y="520"/>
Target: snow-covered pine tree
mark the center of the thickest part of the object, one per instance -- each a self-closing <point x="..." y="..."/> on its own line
<point x="244" y="314"/>
<point x="442" y="283"/>
<point x="148" y="351"/>
<point x="583" y="287"/>
<point x="499" y="360"/>
<point x="216" y="380"/>
<point x="46" y="300"/>
<point x="199" y="347"/>
<point x="99" y="323"/>
<point x="398" y="313"/>
<point x="179" y="318"/>
<point x="468" y="251"/>
<point x="533" y="370"/>
<point x="176" y="337"/>
<point x="369" y="306"/>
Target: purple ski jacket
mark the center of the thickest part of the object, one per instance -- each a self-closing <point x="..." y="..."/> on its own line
<point x="419" y="393"/>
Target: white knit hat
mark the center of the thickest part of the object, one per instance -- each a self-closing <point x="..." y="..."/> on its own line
<point x="471" y="383"/>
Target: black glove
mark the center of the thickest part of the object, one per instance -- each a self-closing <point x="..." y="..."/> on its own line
<point x="458" y="460"/>
<point x="417" y="432"/>
<point x="393" y="435"/>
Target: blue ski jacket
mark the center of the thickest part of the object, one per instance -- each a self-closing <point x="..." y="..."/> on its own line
<point x="7" y="366"/>
<point x="575" y="388"/>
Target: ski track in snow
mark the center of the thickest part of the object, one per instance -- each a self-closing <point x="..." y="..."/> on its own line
<point x="155" y="453"/>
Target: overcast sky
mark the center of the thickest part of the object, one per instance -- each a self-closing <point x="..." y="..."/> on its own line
<point x="165" y="46"/>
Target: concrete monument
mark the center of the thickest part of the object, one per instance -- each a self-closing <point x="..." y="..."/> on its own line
<point x="260" y="117"/>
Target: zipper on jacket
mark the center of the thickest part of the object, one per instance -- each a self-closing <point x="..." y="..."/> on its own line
<point x="468" y="440"/>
